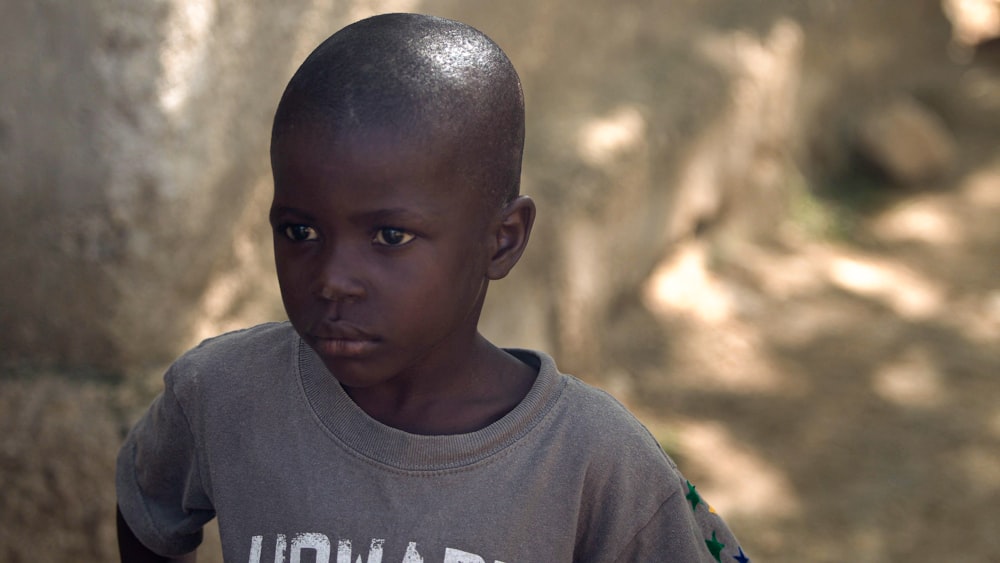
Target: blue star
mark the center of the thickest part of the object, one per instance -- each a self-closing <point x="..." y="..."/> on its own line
<point x="741" y="557"/>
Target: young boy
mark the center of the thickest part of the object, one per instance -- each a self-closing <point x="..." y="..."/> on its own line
<point x="379" y="425"/>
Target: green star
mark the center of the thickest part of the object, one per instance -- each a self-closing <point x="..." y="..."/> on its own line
<point x="692" y="496"/>
<point x="715" y="547"/>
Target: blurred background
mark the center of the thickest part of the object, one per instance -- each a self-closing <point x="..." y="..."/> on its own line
<point x="770" y="227"/>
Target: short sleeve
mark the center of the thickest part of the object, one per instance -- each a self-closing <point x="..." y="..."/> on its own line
<point x="685" y="528"/>
<point x="160" y="479"/>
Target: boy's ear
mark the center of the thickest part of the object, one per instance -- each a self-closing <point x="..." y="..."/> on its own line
<point x="513" y="230"/>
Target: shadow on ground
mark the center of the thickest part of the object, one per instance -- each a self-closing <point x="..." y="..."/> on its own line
<point x="838" y="401"/>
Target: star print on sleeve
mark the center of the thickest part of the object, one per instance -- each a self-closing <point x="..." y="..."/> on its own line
<point x="693" y="497"/>
<point x="714" y="544"/>
<point x="715" y="547"/>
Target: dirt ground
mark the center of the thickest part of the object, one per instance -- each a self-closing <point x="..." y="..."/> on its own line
<point x="838" y="398"/>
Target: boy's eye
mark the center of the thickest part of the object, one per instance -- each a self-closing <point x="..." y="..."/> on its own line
<point x="388" y="236"/>
<point x="300" y="233"/>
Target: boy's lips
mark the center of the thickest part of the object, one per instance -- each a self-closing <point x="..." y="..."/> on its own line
<point x="342" y="340"/>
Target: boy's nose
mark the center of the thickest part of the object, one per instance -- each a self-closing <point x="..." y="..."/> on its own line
<point x="338" y="279"/>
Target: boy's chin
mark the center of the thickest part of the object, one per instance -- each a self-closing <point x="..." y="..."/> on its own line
<point x="354" y="372"/>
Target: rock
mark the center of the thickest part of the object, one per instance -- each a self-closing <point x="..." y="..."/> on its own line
<point x="907" y="141"/>
<point x="133" y="135"/>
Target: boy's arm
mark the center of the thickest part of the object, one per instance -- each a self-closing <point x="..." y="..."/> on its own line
<point x="131" y="550"/>
<point x="686" y="527"/>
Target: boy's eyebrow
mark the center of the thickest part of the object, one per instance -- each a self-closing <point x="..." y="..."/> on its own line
<point x="394" y="213"/>
<point x="285" y="210"/>
<point x="373" y="216"/>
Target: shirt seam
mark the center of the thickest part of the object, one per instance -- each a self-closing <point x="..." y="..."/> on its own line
<point x="625" y="548"/>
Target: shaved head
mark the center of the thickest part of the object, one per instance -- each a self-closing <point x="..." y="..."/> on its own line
<point x="424" y="79"/>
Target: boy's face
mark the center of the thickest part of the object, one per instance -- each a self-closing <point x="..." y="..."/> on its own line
<point x="382" y="254"/>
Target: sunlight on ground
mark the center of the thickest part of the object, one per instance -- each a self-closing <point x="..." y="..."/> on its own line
<point x="911" y="380"/>
<point x="920" y="220"/>
<point x="976" y="318"/>
<point x="906" y="292"/>
<point x="809" y="324"/>
<point x="982" y="469"/>
<point x="937" y="220"/>
<point x="973" y="20"/>
<point x="730" y="354"/>
<point x="746" y="484"/>
<point x="731" y="359"/>
<point x="684" y="284"/>
<point x="737" y="482"/>
<point x="932" y="219"/>
<point x="982" y="188"/>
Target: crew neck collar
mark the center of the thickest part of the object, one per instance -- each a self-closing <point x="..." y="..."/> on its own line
<point x="344" y="420"/>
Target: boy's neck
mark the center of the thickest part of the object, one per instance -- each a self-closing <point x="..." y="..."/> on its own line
<point x="488" y="389"/>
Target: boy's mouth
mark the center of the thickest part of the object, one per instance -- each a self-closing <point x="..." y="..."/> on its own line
<point x="342" y="340"/>
<point x="343" y="347"/>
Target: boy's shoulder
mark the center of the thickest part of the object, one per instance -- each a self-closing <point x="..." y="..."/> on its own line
<point x="236" y="354"/>
<point x="243" y="342"/>
<point x="602" y="426"/>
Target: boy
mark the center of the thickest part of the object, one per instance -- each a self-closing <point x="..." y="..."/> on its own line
<point x="378" y="424"/>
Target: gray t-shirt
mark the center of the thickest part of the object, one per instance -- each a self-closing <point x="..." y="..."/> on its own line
<point x="252" y="428"/>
